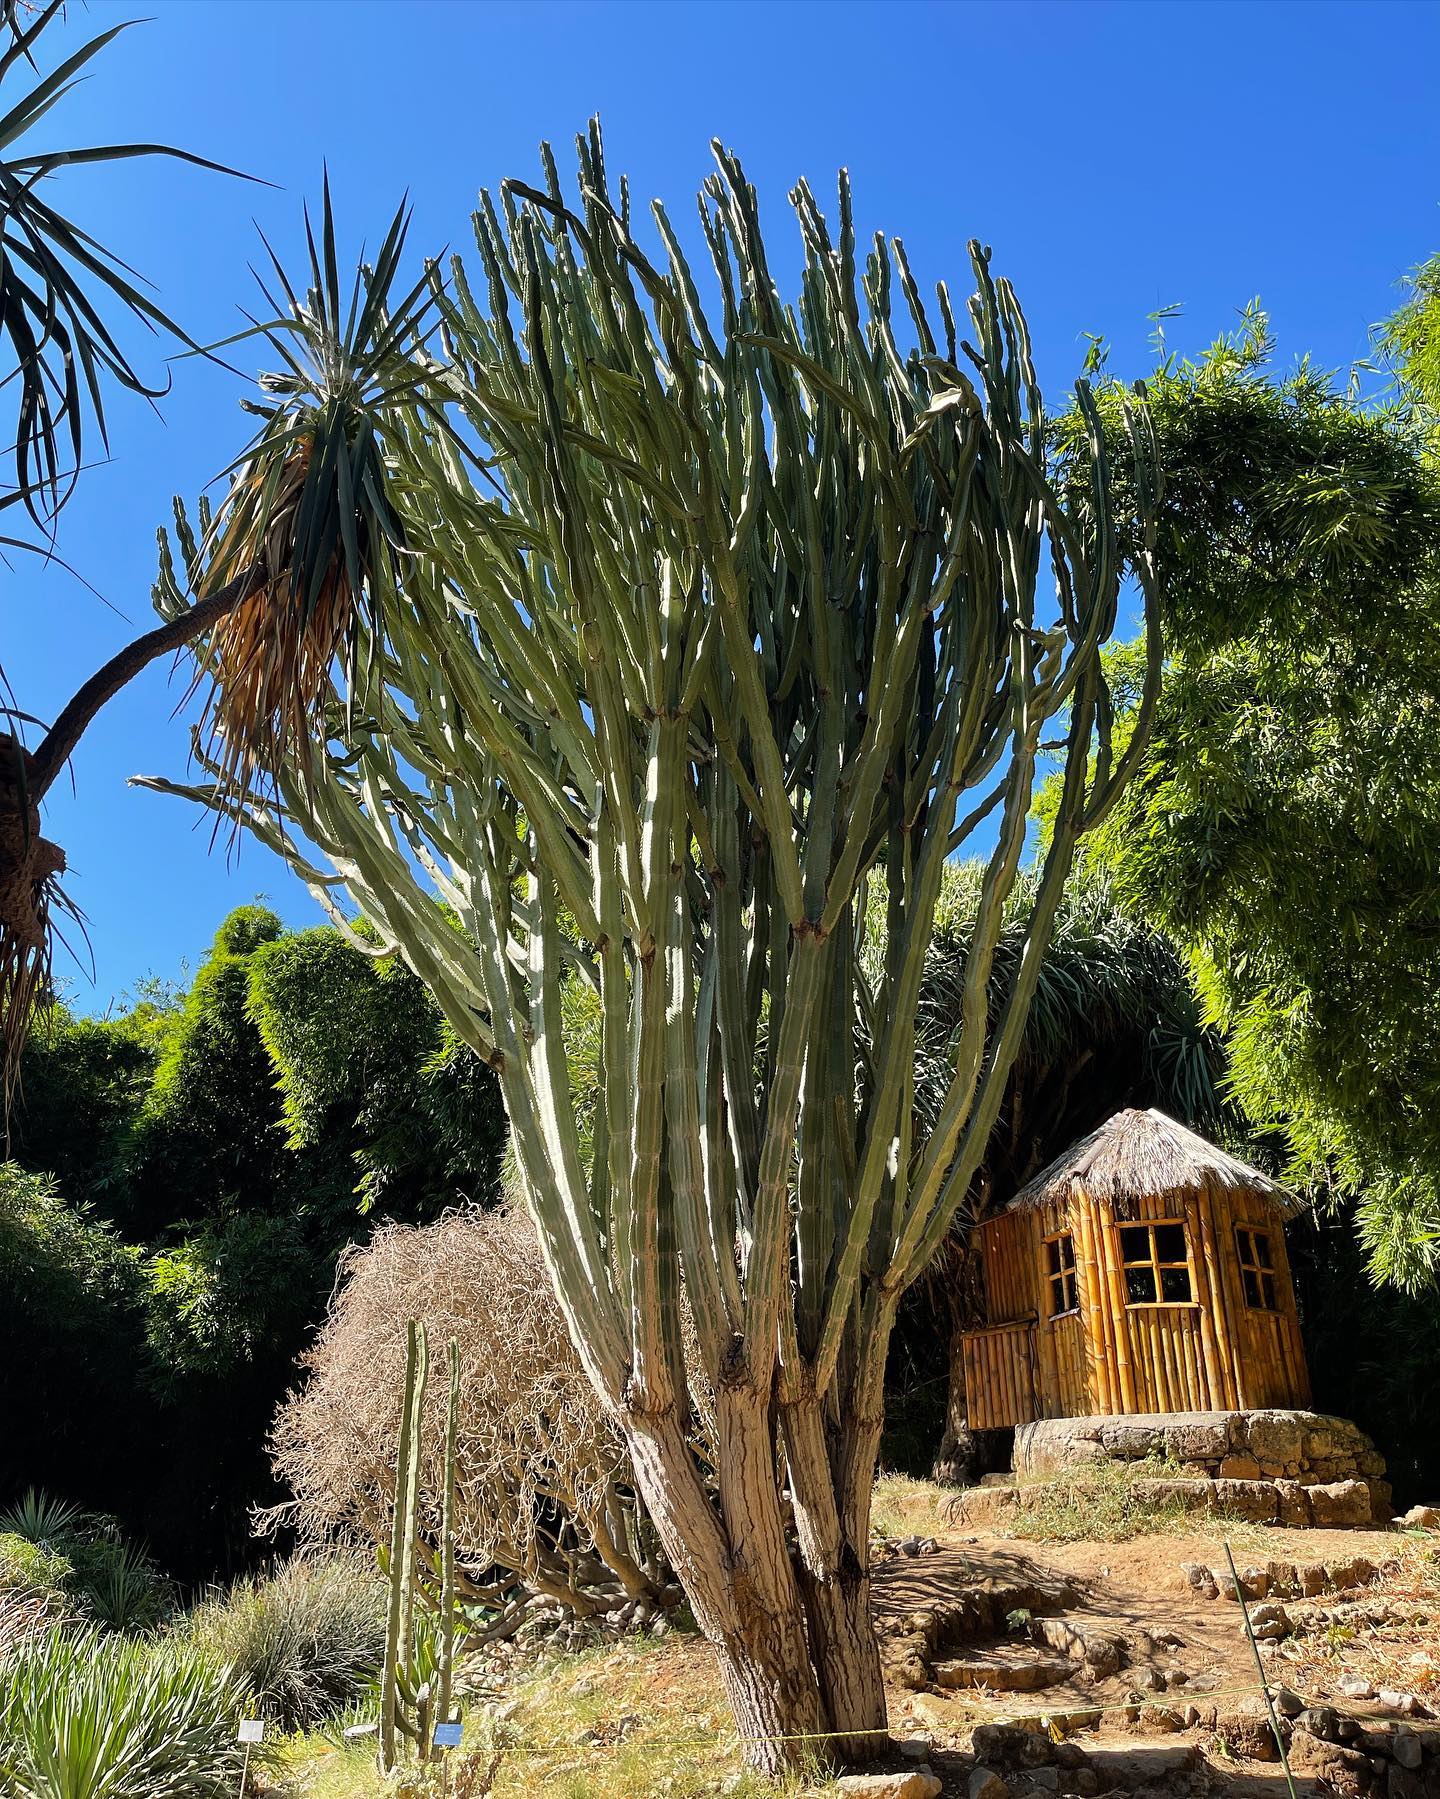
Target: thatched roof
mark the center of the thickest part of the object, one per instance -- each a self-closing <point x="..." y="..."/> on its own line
<point x="1137" y="1153"/>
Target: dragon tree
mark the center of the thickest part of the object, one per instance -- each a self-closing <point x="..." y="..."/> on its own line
<point x="624" y="624"/>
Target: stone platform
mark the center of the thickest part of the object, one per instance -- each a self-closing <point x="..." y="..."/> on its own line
<point x="1274" y="1467"/>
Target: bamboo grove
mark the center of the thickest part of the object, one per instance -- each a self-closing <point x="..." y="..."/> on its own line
<point x="705" y="635"/>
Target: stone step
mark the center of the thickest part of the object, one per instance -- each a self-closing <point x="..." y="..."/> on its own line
<point x="1004" y="1669"/>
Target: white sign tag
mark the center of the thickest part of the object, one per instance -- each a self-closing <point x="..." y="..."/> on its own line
<point x="252" y="1730"/>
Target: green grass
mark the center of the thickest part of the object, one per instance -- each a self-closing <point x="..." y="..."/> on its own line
<point x="1097" y="1501"/>
<point x="564" y="1739"/>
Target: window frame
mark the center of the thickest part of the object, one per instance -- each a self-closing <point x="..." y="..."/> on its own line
<point x="1264" y="1274"/>
<point x="1065" y="1277"/>
<point x="1156" y="1266"/>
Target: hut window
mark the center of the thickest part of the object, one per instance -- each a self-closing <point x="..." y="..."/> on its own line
<point x="1157" y="1264"/>
<point x="1257" y="1268"/>
<point x="1060" y="1273"/>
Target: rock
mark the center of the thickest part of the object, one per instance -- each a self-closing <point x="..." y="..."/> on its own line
<point x="1401" y="1783"/>
<point x="914" y="1749"/>
<point x="1288" y="1703"/>
<point x="1340" y="1504"/>
<point x="1310" y="1578"/>
<point x="917" y="1783"/>
<point x="1253" y="1500"/>
<point x="1247" y="1731"/>
<point x="1405" y="1704"/>
<point x="1199" y="1579"/>
<point x="1013" y="1745"/>
<point x="1358" y="1572"/>
<point x="1342" y="1770"/>
<point x="1148" y="1680"/>
<point x="1421" y="1517"/>
<point x="1162" y="1767"/>
<point x="1320" y="1721"/>
<point x="1255" y="1582"/>
<point x="985" y="1783"/>
<point x="1162" y="1718"/>
<point x="1081" y="1720"/>
<point x="1293" y="1504"/>
<point x="1282" y="1579"/>
<point x="1043" y="1780"/>
<point x="1003" y="1671"/>
<point x="1239" y="1467"/>
<point x="1407" y="1749"/>
<point x="1270" y="1622"/>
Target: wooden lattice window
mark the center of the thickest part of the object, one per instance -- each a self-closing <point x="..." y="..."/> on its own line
<point x="1157" y="1264"/>
<point x="1257" y="1268"/>
<point x="1060" y="1273"/>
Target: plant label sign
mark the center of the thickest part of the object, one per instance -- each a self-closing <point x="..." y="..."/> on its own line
<point x="447" y="1736"/>
<point x="252" y="1730"/>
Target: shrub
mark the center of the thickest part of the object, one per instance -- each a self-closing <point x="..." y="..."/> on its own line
<point x="544" y="1501"/>
<point x="49" y="1546"/>
<point x="86" y="1715"/>
<point x="27" y="1567"/>
<point x="307" y="1641"/>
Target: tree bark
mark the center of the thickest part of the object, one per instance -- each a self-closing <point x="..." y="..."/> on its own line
<point x="790" y="1625"/>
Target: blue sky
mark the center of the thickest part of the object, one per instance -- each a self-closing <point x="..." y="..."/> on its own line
<point x="1119" y="158"/>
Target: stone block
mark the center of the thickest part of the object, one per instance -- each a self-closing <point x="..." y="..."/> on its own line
<point x="1246" y="1731"/>
<point x="1239" y="1467"/>
<point x="1292" y="1504"/>
<point x="1422" y="1517"/>
<point x="915" y="1783"/>
<point x="1340" y="1505"/>
<point x="1273" y="1435"/>
<point x="1253" y="1500"/>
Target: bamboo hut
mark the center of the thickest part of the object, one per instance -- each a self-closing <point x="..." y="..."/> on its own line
<point x="1143" y="1271"/>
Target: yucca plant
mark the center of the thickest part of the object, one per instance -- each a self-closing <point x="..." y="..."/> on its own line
<point x="709" y="636"/>
<point x="85" y="1715"/>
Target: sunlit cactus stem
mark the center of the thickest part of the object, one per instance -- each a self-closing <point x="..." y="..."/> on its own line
<point x="446" y="1595"/>
<point x="396" y="1676"/>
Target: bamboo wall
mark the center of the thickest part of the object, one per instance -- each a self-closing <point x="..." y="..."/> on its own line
<point x="1109" y="1356"/>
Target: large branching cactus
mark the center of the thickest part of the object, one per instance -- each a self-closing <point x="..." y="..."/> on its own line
<point x="717" y="626"/>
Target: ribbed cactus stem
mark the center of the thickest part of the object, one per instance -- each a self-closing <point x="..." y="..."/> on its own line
<point x="447" y="1543"/>
<point x="400" y="1567"/>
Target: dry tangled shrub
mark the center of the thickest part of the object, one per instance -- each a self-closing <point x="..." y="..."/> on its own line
<point x="545" y="1510"/>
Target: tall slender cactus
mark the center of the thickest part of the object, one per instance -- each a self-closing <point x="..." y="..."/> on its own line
<point x="446" y="1593"/>
<point x="712" y="639"/>
<point x="396" y="1672"/>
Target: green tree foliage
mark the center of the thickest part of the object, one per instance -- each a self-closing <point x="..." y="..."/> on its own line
<point x="1284" y="828"/>
<point x="72" y="1299"/>
<point x="223" y="1150"/>
<point x="1412" y="340"/>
